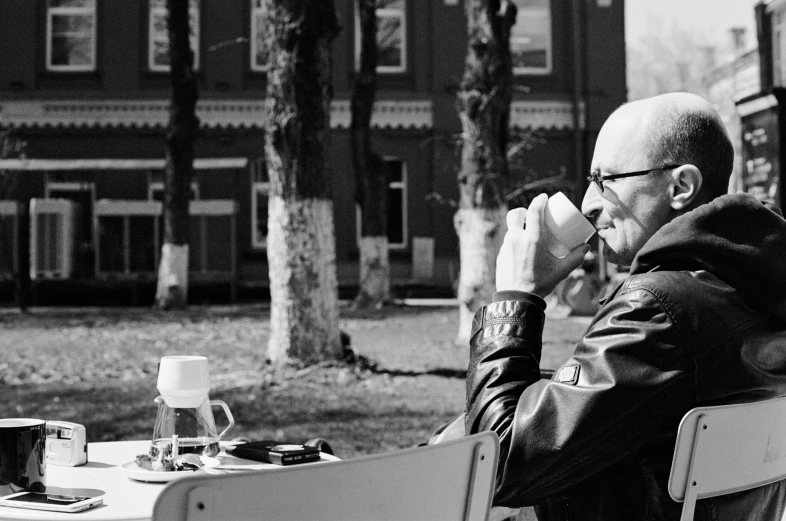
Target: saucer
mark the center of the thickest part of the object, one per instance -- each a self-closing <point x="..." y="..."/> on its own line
<point x="135" y="472"/>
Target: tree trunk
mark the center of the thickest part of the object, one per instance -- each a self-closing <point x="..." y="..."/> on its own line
<point x="301" y="239"/>
<point x="16" y="185"/>
<point x="172" y="290"/>
<point x="484" y="109"/>
<point x="371" y="176"/>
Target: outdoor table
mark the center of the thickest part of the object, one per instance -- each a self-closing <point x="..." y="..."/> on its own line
<point x="124" y="499"/>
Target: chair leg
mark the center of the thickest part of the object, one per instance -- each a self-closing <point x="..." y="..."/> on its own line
<point x="689" y="506"/>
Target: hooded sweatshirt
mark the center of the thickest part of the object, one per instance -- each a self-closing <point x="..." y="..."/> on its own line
<point x="736" y="238"/>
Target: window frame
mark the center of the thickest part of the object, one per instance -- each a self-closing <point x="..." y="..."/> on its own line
<point x="537" y="71"/>
<point x="158" y="186"/>
<point x="392" y="185"/>
<point x="79" y="187"/>
<point x="260" y="185"/>
<point x="388" y="12"/>
<point x="194" y="10"/>
<point x="91" y="11"/>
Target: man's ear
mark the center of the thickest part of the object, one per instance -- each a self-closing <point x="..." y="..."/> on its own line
<point x="685" y="185"/>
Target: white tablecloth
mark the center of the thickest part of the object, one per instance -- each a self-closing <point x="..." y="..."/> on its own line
<point x="124" y="498"/>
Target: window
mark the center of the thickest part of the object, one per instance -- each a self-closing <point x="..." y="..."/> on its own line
<point x="158" y="35"/>
<point x="260" y="188"/>
<point x="397" y="205"/>
<point x="155" y="187"/>
<point x="71" y="35"/>
<point x="258" y="53"/>
<point x="530" y="40"/>
<point x="81" y="192"/>
<point x="391" y="36"/>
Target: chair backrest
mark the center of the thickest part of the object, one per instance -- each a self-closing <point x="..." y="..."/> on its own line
<point x="728" y="448"/>
<point x="449" y="481"/>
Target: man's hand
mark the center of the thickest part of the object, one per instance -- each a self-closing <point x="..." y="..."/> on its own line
<point x="524" y="263"/>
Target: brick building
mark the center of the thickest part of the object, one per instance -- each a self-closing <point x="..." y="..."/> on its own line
<point x="85" y="82"/>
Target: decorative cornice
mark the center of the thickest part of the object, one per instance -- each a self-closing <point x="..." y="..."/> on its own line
<point x="547" y="114"/>
<point x="391" y="114"/>
<point x="212" y="114"/>
<point x="387" y="114"/>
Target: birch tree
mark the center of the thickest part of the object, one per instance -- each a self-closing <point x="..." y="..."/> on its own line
<point x="371" y="178"/>
<point x="172" y="289"/>
<point x="483" y="106"/>
<point x="301" y="239"/>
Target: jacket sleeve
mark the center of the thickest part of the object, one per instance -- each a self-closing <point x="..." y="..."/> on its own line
<point x="628" y="379"/>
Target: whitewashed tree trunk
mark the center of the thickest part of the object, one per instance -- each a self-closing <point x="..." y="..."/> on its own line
<point x="374" y="288"/>
<point x="301" y="241"/>
<point x="303" y="286"/>
<point x="172" y="288"/>
<point x="483" y="104"/>
<point x="480" y="233"/>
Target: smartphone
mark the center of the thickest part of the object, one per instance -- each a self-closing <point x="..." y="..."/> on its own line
<point x="275" y="452"/>
<point x="50" y="502"/>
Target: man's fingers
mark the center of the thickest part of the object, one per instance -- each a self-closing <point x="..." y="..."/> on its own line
<point x="535" y="214"/>
<point x="516" y="218"/>
<point x="575" y="258"/>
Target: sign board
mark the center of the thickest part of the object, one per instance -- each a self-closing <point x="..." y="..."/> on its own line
<point x="761" y="154"/>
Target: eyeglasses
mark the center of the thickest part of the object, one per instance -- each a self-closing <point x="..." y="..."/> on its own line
<point x="597" y="178"/>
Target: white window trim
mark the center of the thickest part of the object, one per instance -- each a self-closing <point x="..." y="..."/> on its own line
<point x="538" y="71"/>
<point x="257" y="187"/>
<point x="82" y="11"/>
<point x="253" y="40"/>
<point x="70" y="186"/>
<point x="387" y="13"/>
<point x="195" y="44"/>
<point x="158" y="186"/>
<point x="401" y="185"/>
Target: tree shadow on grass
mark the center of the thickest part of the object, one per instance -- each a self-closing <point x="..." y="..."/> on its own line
<point x="443" y="372"/>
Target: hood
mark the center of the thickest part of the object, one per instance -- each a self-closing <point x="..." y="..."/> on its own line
<point x="737" y="238"/>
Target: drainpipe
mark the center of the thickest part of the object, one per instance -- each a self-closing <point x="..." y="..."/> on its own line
<point x="579" y="58"/>
<point x="764" y="37"/>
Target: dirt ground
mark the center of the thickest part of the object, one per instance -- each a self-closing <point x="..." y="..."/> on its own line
<point x="97" y="367"/>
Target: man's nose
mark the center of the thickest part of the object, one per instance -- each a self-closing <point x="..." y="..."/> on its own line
<point x="592" y="204"/>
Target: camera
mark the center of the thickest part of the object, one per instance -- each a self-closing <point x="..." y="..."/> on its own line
<point x="66" y="444"/>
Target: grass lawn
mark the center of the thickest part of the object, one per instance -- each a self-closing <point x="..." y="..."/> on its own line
<point x="98" y="367"/>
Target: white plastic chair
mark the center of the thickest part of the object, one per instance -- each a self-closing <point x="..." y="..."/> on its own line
<point x="449" y="481"/>
<point x="728" y="448"/>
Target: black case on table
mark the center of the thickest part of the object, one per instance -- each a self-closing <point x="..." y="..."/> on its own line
<point x="270" y="451"/>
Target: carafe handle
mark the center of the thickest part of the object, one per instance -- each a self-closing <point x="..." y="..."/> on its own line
<point x="229" y="416"/>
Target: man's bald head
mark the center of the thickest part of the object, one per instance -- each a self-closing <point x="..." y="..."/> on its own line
<point x="682" y="128"/>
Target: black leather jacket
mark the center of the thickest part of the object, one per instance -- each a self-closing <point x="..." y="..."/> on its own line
<point x="701" y="321"/>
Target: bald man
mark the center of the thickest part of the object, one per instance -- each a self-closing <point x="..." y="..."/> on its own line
<point x="701" y="320"/>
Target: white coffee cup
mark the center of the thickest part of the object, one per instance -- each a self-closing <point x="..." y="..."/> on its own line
<point x="183" y="381"/>
<point x="567" y="227"/>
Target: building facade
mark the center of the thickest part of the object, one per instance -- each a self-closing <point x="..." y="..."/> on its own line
<point x="727" y="84"/>
<point x="85" y="84"/>
<point x="763" y="111"/>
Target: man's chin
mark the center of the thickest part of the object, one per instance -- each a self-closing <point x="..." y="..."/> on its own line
<point x="620" y="258"/>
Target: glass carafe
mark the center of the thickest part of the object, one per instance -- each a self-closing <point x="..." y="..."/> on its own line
<point x="184" y="408"/>
<point x="195" y="427"/>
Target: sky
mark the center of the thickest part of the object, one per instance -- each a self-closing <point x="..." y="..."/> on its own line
<point x="712" y="17"/>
